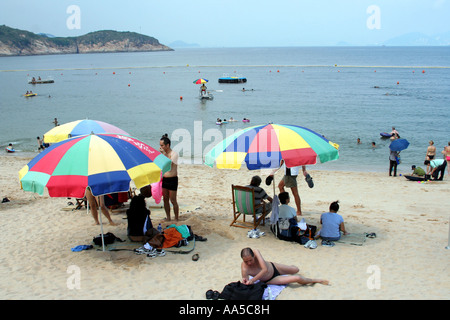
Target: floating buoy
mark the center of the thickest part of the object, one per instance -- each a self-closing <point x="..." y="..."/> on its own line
<point x="128" y="84"/>
<point x="423" y="71"/>
<point x="181" y="97"/>
<point x="278" y="70"/>
<point x="413" y="71"/>
<point x="129" y="72"/>
<point x="374" y="70"/>
<point x="114" y="73"/>
<point x="398" y="82"/>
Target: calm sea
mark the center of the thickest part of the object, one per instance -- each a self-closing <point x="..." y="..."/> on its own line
<point x="344" y="93"/>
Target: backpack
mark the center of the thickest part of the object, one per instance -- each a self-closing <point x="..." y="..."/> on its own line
<point x="240" y="291"/>
<point x="108" y="238"/>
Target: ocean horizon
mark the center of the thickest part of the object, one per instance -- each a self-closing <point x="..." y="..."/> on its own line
<point x="343" y="93"/>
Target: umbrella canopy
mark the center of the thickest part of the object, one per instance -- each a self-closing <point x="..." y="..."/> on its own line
<point x="399" y="144"/>
<point x="264" y="146"/>
<point x="200" y="81"/>
<point x="78" y="128"/>
<point x="104" y="162"/>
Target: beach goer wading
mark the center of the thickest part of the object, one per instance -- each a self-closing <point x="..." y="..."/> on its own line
<point x="253" y="264"/>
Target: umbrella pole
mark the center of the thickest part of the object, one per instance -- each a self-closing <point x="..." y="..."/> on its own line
<point x="101" y="223"/>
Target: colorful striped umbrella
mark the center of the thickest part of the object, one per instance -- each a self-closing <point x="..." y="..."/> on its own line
<point x="79" y="128"/>
<point x="200" y="81"/>
<point x="104" y="162"/>
<point x="264" y="146"/>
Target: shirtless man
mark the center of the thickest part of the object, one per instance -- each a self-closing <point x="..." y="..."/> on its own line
<point x="253" y="264"/>
<point x="170" y="178"/>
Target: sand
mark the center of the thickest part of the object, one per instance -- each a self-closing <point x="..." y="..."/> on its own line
<point x="407" y="259"/>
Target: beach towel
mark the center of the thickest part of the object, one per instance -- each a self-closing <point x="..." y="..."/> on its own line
<point x="356" y="239"/>
<point x="274" y="215"/>
<point x="272" y="291"/>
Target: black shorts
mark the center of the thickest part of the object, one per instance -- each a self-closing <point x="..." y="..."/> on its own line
<point x="170" y="183"/>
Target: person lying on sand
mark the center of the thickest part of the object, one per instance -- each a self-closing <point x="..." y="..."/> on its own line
<point x="253" y="264"/>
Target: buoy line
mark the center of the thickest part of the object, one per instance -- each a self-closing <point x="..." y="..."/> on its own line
<point x="229" y="66"/>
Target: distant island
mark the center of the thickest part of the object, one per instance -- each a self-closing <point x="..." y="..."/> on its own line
<point x="15" y="42"/>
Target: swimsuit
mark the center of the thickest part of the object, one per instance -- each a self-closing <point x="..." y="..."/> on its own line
<point x="170" y="183"/>
<point x="276" y="273"/>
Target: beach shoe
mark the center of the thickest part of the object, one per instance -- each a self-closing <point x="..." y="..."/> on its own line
<point x="260" y="233"/>
<point x="309" y="180"/>
<point x="160" y="252"/>
<point x="313" y="244"/>
<point x="327" y="243"/>
<point x="252" y="234"/>
<point x="371" y="235"/>
<point x="308" y="244"/>
<point x="142" y="250"/>
<point x="209" y="294"/>
<point x="152" y="253"/>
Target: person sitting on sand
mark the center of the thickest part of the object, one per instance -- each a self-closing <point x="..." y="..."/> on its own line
<point x="253" y="264"/>
<point x="138" y="214"/>
<point x="260" y="195"/>
<point x="332" y="225"/>
<point x="417" y="171"/>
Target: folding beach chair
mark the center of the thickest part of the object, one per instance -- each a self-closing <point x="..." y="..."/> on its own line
<point x="244" y="204"/>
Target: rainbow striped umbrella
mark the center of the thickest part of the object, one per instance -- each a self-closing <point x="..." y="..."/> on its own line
<point x="264" y="146"/>
<point x="104" y="162"/>
<point x="79" y="128"/>
<point x="200" y="81"/>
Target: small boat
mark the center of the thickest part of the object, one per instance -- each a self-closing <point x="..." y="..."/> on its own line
<point x="206" y="96"/>
<point x="227" y="79"/>
<point x="30" y="95"/>
<point x="41" y="81"/>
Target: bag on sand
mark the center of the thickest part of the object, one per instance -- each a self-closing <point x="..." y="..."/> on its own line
<point x="240" y="291"/>
<point x="108" y="238"/>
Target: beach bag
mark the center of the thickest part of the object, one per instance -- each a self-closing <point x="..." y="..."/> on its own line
<point x="108" y="238"/>
<point x="286" y="225"/>
<point x="240" y="291"/>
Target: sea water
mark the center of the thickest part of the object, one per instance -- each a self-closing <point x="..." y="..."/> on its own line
<point x="343" y="93"/>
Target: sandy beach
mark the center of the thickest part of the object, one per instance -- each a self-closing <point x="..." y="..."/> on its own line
<point x="407" y="259"/>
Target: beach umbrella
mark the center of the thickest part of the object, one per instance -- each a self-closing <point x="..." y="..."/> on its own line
<point x="264" y="146"/>
<point x="399" y="145"/>
<point x="106" y="163"/>
<point x="200" y="81"/>
<point x="78" y="128"/>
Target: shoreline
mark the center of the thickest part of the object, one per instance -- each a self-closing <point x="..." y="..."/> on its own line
<point x="408" y="253"/>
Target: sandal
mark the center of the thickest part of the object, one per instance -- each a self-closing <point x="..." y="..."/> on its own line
<point x="209" y="294"/>
<point x="371" y="235"/>
<point x="216" y="295"/>
<point x="199" y="238"/>
<point x="309" y="180"/>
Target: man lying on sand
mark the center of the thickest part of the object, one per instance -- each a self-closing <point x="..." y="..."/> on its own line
<point x="254" y="265"/>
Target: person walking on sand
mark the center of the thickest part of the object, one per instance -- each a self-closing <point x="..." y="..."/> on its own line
<point x="170" y="178"/>
<point x="253" y="264"/>
<point x="93" y="205"/>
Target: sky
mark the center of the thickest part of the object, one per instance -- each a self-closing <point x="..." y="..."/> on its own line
<point x="235" y="23"/>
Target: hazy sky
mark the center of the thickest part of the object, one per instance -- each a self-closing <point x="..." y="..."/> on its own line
<point x="235" y="23"/>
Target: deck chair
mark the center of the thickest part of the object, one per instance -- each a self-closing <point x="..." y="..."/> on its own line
<point x="243" y="205"/>
<point x="81" y="202"/>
